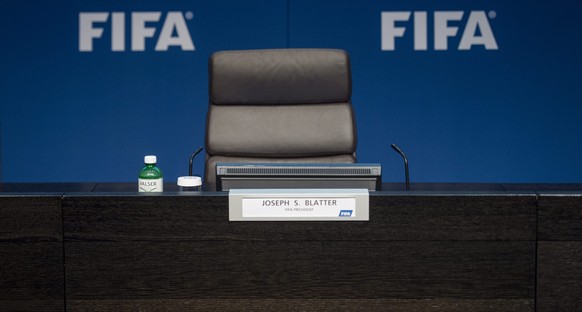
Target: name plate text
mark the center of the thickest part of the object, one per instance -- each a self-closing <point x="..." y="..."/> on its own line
<point x="298" y="205"/>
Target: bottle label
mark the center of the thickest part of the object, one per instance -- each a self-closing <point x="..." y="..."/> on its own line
<point x="151" y="185"/>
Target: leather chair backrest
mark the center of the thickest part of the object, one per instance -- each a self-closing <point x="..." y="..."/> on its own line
<point x="283" y="105"/>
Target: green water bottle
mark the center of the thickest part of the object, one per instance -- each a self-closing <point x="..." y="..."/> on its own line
<point x="150" y="177"/>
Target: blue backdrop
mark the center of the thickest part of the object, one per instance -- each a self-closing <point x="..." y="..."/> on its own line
<point x="509" y="113"/>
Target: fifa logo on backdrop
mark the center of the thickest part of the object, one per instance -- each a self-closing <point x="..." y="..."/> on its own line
<point x="477" y="30"/>
<point x="143" y="27"/>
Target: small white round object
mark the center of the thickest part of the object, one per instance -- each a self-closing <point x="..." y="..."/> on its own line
<point x="189" y="181"/>
<point x="150" y="159"/>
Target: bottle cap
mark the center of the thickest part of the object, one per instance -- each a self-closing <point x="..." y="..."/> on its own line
<point x="189" y="181"/>
<point x="150" y="159"/>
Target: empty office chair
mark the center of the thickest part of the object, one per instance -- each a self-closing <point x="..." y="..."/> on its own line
<point x="281" y="105"/>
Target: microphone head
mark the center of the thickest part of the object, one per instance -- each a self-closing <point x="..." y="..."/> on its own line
<point x="191" y="164"/>
<point x="396" y="148"/>
<point x="197" y="151"/>
<point x="399" y="151"/>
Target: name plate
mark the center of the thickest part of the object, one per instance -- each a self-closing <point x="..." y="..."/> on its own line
<point x="298" y="205"/>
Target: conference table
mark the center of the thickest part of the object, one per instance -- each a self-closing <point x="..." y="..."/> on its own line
<point x="438" y="247"/>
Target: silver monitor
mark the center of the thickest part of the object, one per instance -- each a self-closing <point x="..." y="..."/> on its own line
<point x="298" y="175"/>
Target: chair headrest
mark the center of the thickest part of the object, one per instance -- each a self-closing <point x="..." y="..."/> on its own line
<point x="280" y="76"/>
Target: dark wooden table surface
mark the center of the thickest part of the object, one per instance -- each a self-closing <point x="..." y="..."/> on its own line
<point x="441" y="247"/>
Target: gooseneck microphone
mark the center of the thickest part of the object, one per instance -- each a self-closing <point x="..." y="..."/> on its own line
<point x="196" y="152"/>
<point x="399" y="151"/>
